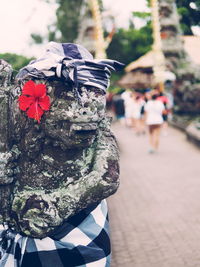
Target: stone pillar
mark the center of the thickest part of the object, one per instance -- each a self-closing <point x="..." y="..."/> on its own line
<point x="187" y="87"/>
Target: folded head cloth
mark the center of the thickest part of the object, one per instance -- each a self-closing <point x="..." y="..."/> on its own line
<point x="71" y="62"/>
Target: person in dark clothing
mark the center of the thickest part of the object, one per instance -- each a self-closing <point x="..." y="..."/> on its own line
<point x="118" y="107"/>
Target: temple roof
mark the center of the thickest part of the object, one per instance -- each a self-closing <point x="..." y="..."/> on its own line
<point x="191" y="45"/>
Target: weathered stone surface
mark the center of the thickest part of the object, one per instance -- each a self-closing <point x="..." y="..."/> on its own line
<point x="5" y="73"/>
<point x="6" y="164"/>
<point x="61" y="165"/>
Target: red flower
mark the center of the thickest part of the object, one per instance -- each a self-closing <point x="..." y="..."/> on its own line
<point x="34" y="100"/>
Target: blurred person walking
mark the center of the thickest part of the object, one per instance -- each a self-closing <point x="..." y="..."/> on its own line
<point x="164" y="99"/>
<point x="146" y="97"/>
<point x="128" y="105"/>
<point x="118" y="107"/>
<point x="138" y="103"/>
<point x="109" y="100"/>
<point x="153" y="112"/>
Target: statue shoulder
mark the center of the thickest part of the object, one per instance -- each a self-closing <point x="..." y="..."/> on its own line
<point x="5" y="74"/>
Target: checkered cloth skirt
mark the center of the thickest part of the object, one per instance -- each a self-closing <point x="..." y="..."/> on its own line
<point x="83" y="240"/>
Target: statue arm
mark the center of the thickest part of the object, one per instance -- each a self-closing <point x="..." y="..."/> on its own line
<point x="39" y="213"/>
<point x="100" y="183"/>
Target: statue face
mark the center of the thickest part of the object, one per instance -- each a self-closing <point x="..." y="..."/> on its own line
<point x="73" y="122"/>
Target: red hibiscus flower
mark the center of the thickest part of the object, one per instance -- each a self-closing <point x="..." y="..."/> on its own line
<point x="34" y="100"/>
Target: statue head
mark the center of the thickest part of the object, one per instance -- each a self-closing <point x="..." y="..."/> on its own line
<point x="76" y="85"/>
<point x="71" y="121"/>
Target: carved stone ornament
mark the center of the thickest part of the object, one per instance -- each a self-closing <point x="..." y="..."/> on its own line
<point x="53" y="169"/>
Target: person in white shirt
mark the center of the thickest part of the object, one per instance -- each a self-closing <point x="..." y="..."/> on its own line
<point x="128" y="103"/>
<point x="136" y="113"/>
<point x="153" y="111"/>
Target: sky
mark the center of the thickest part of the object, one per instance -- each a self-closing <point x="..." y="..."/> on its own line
<point x="20" y="18"/>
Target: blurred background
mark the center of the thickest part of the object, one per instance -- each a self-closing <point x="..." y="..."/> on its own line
<point x="155" y="215"/>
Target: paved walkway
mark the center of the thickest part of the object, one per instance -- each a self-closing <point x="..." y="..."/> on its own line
<point x="155" y="215"/>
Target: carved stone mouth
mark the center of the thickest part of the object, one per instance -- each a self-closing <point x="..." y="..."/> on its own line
<point x="85" y="132"/>
<point x="84" y="127"/>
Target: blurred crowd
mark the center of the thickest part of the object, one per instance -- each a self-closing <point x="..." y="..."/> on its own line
<point x="146" y="112"/>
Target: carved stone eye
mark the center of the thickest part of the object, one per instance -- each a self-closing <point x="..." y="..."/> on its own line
<point x="96" y="90"/>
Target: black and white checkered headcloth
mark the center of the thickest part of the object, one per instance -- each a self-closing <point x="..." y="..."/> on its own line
<point x="71" y="62"/>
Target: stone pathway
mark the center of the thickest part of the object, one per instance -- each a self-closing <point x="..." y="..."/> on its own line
<point x="155" y="215"/>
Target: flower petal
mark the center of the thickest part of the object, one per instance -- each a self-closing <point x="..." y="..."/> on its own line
<point x="29" y="88"/>
<point x="34" y="100"/>
<point x="35" y="112"/>
<point x="44" y="102"/>
<point x="40" y="90"/>
<point x="25" y="102"/>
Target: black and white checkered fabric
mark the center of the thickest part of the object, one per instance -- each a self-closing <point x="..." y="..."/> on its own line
<point x="83" y="240"/>
<point x="71" y="62"/>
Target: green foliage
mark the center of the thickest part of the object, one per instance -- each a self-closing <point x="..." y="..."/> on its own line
<point x="67" y="22"/>
<point x="190" y="16"/>
<point x="37" y="38"/>
<point x="16" y="61"/>
<point x="142" y="15"/>
<point x="128" y="45"/>
<point x="148" y="3"/>
<point x="114" y="79"/>
<point x="67" y="19"/>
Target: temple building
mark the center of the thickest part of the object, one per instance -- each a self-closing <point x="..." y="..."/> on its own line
<point x="139" y="73"/>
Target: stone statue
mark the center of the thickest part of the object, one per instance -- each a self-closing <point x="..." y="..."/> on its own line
<point x="57" y="163"/>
